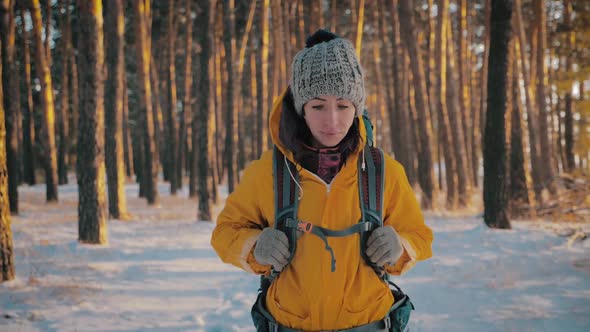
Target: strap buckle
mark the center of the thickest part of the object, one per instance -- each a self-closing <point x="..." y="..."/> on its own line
<point x="387" y="322"/>
<point x="272" y="327"/>
<point x="305" y="226"/>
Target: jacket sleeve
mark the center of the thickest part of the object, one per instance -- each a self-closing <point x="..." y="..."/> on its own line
<point x="402" y="211"/>
<point x="240" y="223"/>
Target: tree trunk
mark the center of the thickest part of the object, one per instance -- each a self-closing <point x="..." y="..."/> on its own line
<point x="10" y="100"/>
<point x="62" y="116"/>
<point x="29" y="160"/>
<point x="48" y="139"/>
<point x="568" y="130"/>
<point x="115" y="27"/>
<point x="425" y="173"/>
<point x="171" y="146"/>
<point x="230" y="115"/>
<point x="530" y="103"/>
<point x="401" y="141"/>
<point x="127" y="149"/>
<point x="75" y="111"/>
<point x="262" y="73"/>
<point x="476" y="111"/>
<point x="92" y="226"/>
<point x="6" y="246"/>
<point x="185" y="130"/>
<point x="142" y="41"/>
<point x="542" y="83"/>
<point x="519" y="162"/>
<point x="495" y="177"/>
<point x="204" y="212"/>
<point x="444" y="127"/>
<point x="463" y="68"/>
<point x="485" y="69"/>
<point x="360" y="23"/>
<point x="456" y="118"/>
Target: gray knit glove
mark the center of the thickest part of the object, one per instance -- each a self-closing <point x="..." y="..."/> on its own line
<point x="384" y="246"/>
<point x="272" y="248"/>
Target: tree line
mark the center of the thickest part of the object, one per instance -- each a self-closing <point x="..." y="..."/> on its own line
<point x="181" y="90"/>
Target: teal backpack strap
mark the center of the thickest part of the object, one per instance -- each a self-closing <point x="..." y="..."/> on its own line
<point x="368" y="128"/>
<point x="371" y="176"/>
<point x="286" y="199"/>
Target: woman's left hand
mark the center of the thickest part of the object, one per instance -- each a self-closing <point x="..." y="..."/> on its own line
<point x="384" y="246"/>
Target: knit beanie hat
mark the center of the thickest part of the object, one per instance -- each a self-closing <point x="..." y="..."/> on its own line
<point x="327" y="67"/>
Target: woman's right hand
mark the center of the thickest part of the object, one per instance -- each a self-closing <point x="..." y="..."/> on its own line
<point x="272" y="248"/>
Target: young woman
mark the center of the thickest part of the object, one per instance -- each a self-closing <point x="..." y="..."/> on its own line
<point x="317" y="126"/>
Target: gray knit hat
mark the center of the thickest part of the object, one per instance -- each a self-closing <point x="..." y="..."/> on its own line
<point x="328" y="68"/>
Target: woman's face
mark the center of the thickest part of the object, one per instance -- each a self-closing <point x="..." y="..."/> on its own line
<point x="329" y="118"/>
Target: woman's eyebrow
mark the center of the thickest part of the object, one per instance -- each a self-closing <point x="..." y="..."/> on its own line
<point x="318" y="98"/>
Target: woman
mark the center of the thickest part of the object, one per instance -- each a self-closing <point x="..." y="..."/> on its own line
<point x="317" y="126"/>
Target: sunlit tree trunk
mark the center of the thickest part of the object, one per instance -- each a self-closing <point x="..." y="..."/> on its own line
<point x="171" y="146"/>
<point x="425" y="170"/>
<point x="444" y="128"/>
<point x="115" y="27"/>
<point x="360" y="23"/>
<point x="48" y="139"/>
<point x="10" y="100"/>
<point x="476" y="108"/>
<point x="463" y="57"/>
<point x="29" y="160"/>
<point x="519" y="161"/>
<point x="92" y="226"/>
<point x="456" y="120"/>
<point x="484" y="69"/>
<point x="263" y="97"/>
<point x="533" y="131"/>
<point x="6" y="246"/>
<point x="495" y="177"/>
<point x="150" y="168"/>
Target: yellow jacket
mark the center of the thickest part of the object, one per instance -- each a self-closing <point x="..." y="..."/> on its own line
<point x="307" y="295"/>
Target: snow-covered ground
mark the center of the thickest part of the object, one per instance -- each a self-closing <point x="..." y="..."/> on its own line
<point x="159" y="273"/>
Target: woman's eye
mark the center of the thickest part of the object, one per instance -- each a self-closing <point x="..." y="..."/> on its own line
<point x="343" y="107"/>
<point x="318" y="107"/>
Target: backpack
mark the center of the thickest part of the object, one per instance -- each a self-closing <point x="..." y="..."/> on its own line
<point x="286" y="194"/>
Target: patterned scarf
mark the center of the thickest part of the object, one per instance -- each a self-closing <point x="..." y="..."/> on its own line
<point x="325" y="163"/>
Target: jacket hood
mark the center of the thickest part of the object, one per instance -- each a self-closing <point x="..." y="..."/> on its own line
<point x="274" y="127"/>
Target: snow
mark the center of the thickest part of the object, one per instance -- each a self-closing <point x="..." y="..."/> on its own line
<point x="159" y="273"/>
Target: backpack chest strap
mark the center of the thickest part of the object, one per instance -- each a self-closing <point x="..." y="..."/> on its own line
<point x="324" y="233"/>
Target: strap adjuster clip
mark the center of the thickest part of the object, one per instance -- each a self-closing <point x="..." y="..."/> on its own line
<point x="305" y="226"/>
<point x="387" y="322"/>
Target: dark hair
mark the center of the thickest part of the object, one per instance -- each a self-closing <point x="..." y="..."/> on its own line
<point x="294" y="132"/>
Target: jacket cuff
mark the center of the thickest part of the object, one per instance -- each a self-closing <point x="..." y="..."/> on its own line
<point x="247" y="259"/>
<point x="405" y="262"/>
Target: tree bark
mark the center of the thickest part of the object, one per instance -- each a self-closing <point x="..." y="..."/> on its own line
<point x="203" y="130"/>
<point x="171" y="146"/>
<point x="530" y="103"/>
<point x="6" y="245"/>
<point x="263" y="103"/>
<point x="92" y="226"/>
<point x="463" y="68"/>
<point x="62" y="114"/>
<point x="29" y="160"/>
<point x="230" y="112"/>
<point x="185" y="130"/>
<point x="142" y="41"/>
<point x="456" y="118"/>
<point x="115" y="27"/>
<point x="48" y="133"/>
<point x="425" y="170"/>
<point x="495" y="177"/>
<point x="519" y="161"/>
<point x="10" y="100"/>
<point x="444" y="126"/>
